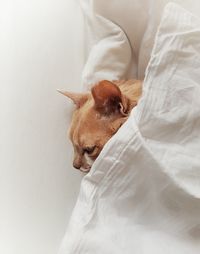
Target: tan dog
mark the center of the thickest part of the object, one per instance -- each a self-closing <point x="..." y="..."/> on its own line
<point x="98" y="116"/>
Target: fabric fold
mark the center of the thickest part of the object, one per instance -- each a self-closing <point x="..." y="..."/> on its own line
<point x="111" y="54"/>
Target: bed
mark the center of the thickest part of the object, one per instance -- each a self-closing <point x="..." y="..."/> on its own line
<point x="142" y="194"/>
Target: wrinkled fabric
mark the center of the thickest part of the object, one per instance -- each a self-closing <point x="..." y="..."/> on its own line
<point x="138" y="19"/>
<point x="109" y="45"/>
<point x="142" y="194"/>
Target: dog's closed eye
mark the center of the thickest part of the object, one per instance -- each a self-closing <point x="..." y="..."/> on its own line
<point x="89" y="150"/>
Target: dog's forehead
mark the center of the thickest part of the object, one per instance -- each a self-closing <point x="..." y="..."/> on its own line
<point x="83" y="122"/>
<point x="89" y="127"/>
<point x="88" y="130"/>
<point x="89" y="133"/>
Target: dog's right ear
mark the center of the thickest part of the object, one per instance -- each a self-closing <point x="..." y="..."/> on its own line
<point x="109" y="99"/>
<point x="78" y="98"/>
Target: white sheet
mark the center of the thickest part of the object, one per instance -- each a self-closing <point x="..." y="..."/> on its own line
<point x="139" y="19"/>
<point x="110" y="45"/>
<point x="142" y="194"/>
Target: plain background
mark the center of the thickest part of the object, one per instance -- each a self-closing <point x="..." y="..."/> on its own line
<point x="41" y="49"/>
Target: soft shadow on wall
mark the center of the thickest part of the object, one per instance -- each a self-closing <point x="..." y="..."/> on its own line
<point x="41" y="48"/>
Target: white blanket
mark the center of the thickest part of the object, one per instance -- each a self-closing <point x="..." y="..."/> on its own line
<point x="143" y="192"/>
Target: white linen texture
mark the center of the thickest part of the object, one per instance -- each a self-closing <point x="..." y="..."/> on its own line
<point x="109" y="45"/>
<point x="142" y="194"/>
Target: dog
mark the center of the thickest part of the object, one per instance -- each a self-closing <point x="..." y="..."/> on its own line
<point x="98" y="116"/>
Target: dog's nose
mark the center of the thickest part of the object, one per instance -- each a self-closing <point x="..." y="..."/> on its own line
<point x="76" y="165"/>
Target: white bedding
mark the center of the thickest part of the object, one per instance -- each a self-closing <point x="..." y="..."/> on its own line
<point x="143" y="192"/>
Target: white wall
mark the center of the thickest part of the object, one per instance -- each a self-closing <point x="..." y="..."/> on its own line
<point x="41" y="49"/>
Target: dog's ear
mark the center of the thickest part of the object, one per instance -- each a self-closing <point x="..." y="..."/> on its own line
<point x="78" y="98"/>
<point x="109" y="99"/>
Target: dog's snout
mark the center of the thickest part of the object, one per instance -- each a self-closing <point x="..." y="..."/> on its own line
<point x="80" y="162"/>
<point x="76" y="165"/>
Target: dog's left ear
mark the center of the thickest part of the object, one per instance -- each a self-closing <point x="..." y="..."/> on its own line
<point x="78" y="98"/>
<point x="109" y="99"/>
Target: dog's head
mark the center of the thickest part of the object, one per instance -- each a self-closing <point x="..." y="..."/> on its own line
<point x="97" y="117"/>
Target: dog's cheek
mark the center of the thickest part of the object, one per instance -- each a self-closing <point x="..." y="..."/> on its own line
<point x="117" y="124"/>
